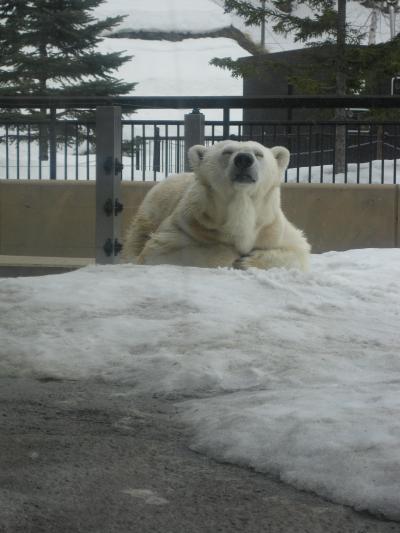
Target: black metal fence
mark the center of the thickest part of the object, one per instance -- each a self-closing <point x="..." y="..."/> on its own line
<point x="57" y="147"/>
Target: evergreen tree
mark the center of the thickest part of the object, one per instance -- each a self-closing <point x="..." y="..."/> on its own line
<point x="48" y="47"/>
<point x="357" y="67"/>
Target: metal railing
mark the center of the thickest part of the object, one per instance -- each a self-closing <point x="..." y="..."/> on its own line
<point x="58" y="147"/>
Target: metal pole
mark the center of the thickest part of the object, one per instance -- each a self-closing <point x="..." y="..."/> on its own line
<point x="194" y="132"/>
<point x="341" y="82"/>
<point x="53" y="144"/>
<point x="108" y="184"/>
<point x="226" y="119"/>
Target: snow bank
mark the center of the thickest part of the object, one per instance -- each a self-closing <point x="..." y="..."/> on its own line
<point x="290" y="373"/>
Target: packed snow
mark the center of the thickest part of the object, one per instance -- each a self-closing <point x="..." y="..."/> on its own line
<point x="293" y="374"/>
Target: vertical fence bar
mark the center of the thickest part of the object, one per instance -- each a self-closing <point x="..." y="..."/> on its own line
<point x="137" y="152"/>
<point x="371" y="152"/>
<point x="156" y="152"/>
<point x="358" y="152"/>
<point x="333" y="140"/>
<point x="7" y="154"/>
<point x="29" y="152"/>
<point x="53" y="143"/>
<point x="346" y="148"/>
<point x="132" y="152"/>
<point x="178" y="149"/>
<point x="65" y="150"/>
<point x="18" y="152"/>
<point x="87" y="151"/>
<point x="297" y="153"/>
<point x="144" y="153"/>
<point x="76" y="152"/>
<point x="309" y="152"/>
<point x="226" y="119"/>
<point x="166" y="150"/>
<point x="40" y="151"/>
<point x="108" y="183"/>
<point x="396" y="147"/>
<point x="382" y="155"/>
<point x="321" y="155"/>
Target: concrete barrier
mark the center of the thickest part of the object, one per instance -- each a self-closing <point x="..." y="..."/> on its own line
<point x="57" y="218"/>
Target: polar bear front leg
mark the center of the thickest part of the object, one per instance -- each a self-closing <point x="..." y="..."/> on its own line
<point x="278" y="258"/>
<point x="179" y="249"/>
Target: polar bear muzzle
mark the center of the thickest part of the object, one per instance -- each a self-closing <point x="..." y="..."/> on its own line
<point x="243" y="172"/>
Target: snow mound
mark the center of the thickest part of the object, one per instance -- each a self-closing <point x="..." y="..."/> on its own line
<point x="289" y="373"/>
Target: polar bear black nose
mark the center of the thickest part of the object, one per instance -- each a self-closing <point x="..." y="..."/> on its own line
<point x="243" y="160"/>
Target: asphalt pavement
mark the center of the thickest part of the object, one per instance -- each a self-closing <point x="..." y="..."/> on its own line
<point x="78" y="456"/>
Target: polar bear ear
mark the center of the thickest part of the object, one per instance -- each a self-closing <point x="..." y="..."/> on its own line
<point x="196" y="154"/>
<point x="282" y="156"/>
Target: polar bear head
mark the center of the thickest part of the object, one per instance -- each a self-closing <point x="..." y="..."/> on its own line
<point x="233" y="165"/>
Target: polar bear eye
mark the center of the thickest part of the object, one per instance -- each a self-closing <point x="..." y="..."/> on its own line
<point x="227" y="152"/>
<point x="259" y="155"/>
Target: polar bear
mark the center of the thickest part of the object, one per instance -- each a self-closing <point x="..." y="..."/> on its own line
<point x="226" y="213"/>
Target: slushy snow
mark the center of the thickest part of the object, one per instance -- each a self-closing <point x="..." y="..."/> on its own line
<point x="292" y="374"/>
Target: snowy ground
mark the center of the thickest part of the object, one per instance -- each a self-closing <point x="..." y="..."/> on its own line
<point x="290" y="373"/>
<point x="83" y="167"/>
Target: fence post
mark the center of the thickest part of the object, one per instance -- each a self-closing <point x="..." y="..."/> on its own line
<point x="156" y="152"/>
<point x="194" y="132"/>
<point x="108" y="184"/>
<point x="53" y="143"/>
<point x="226" y="120"/>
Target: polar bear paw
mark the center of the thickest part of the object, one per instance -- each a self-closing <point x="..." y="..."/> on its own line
<point x="246" y="261"/>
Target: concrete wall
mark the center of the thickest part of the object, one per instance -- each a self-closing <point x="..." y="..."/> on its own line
<point x="57" y="219"/>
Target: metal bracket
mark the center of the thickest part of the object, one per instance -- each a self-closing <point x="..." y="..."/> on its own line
<point x="110" y="163"/>
<point x="118" y="207"/>
<point x="111" y="248"/>
<point x="110" y="209"/>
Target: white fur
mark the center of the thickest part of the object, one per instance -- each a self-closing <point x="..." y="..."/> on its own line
<point x="222" y="214"/>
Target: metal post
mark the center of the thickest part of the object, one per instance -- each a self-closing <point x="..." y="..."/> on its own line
<point x="156" y="152"/>
<point x="108" y="184"/>
<point x="194" y="132"/>
<point x="226" y="119"/>
<point x="53" y="144"/>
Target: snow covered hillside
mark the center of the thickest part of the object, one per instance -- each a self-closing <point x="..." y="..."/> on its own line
<point x="357" y="15"/>
<point x="164" y="68"/>
<point x="289" y="373"/>
<point x="182" y="68"/>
